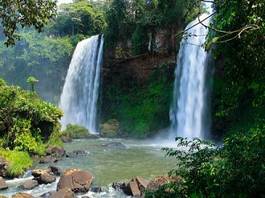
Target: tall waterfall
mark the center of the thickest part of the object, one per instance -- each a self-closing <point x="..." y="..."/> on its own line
<point x="189" y="108"/>
<point x="81" y="89"/>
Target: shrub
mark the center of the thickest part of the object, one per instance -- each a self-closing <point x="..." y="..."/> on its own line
<point x="26" y="122"/>
<point x="235" y="170"/>
<point x="76" y="131"/>
<point x="18" y="162"/>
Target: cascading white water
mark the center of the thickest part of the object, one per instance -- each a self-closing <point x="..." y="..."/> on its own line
<point x="79" y="98"/>
<point x="189" y="106"/>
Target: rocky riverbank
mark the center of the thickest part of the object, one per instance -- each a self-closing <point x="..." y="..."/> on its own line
<point x="78" y="183"/>
<point x="91" y="168"/>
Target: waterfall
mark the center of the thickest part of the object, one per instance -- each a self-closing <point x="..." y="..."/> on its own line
<point x="189" y="106"/>
<point x="81" y="89"/>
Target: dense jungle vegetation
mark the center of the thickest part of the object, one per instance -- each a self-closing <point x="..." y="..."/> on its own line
<point x="29" y="125"/>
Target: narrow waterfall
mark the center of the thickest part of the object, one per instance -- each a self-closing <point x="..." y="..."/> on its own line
<point x="81" y="89"/>
<point x="189" y="106"/>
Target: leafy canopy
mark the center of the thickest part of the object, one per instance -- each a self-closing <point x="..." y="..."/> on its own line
<point x="20" y="13"/>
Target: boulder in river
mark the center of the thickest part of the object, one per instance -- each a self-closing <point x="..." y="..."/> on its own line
<point x="63" y="193"/>
<point x="135" y="191"/>
<point x="76" y="180"/>
<point x="55" y="151"/>
<point x="66" y="139"/>
<point x="44" y="176"/>
<point x="77" y="153"/>
<point x="3" y="184"/>
<point x="48" y="159"/>
<point x="122" y="186"/>
<point x="22" y="195"/>
<point x="29" y="185"/>
<point x="135" y="187"/>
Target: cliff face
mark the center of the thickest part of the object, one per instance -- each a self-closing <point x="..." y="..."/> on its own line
<point x="137" y="89"/>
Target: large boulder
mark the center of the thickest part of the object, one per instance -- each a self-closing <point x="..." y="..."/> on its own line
<point x="135" y="187"/>
<point x="76" y="180"/>
<point x="43" y="176"/>
<point x="135" y="191"/>
<point x="110" y="128"/>
<point x="46" y="179"/>
<point x="3" y="184"/>
<point x="29" y="185"/>
<point x="22" y="195"/>
<point x="63" y="193"/>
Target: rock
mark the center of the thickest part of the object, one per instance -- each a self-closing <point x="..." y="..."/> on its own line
<point x="3" y="185"/>
<point x="92" y="136"/>
<point x="114" y="145"/>
<point x="135" y="191"/>
<point x="48" y="159"/>
<point x="46" y="178"/>
<point x="110" y="128"/>
<point x="66" y="139"/>
<point x="156" y="183"/>
<point x="29" y="185"/>
<point x="2" y="196"/>
<point x="77" y="153"/>
<point x="43" y="176"/>
<point x="142" y="184"/>
<point x="56" y="171"/>
<point x="122" y="186"/>
<point x="55" y="151"/>
<point x="3" y="167"/>
<point x="76" y="180"/>
<point x="47" y="195"/>
<point x="96" y="189"/>
<point x="63" y="193"/>
<point x="22" y="195"/>
<point x="38" y="172"/>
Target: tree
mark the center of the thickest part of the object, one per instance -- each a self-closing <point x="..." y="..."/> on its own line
<point x="79" y="17"/>
<point x="20" y="13"/>
<point x="32" y="81"/>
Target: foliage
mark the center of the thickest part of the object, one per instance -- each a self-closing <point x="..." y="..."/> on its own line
<point x="139" y="41"/>
<point x="18" y="162"/>
<point x="45" y="58"/>
<point x="79" y="17"/>
<point x="236" y="169"/>
<point x="110" y="129"/>
<point x="139" y="19"/>
<point x="76" y="131"/>
<point x="239" y="81"/>
<point x="15" y="14"/>
<point x="32" y="81"/>
<point x="26" y="122"/>
<point x="140" y="109"/>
